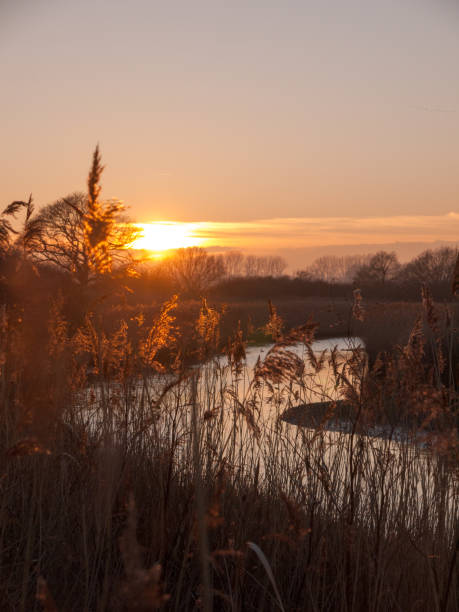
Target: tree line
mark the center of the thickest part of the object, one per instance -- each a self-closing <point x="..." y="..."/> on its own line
<point x="432" y="266"/>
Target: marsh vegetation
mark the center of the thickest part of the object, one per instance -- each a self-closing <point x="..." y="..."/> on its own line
<point x="147" y="463"/>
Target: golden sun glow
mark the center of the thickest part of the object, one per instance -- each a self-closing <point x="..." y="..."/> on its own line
<point x="165" y="235"/>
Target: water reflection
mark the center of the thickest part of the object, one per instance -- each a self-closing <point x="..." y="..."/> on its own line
<point x="238" y="419"/>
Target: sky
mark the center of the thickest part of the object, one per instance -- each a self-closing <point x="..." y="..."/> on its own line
<point x="259" y="112"/>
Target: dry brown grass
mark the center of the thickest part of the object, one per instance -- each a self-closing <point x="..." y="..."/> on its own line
<point x="180" y="471"/>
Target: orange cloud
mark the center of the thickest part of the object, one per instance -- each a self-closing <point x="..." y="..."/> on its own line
<point x="328" y="231"/>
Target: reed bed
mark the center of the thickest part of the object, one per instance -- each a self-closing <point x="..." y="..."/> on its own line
<point x="128" y="484"/>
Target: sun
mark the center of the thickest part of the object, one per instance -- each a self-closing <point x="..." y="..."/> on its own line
<point x="163" y="236"/>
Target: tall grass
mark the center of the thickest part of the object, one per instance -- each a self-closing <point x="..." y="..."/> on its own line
<point x="129" y="485"/>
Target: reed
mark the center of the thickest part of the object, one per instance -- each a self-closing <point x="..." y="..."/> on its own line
<point x="129" y="484"/>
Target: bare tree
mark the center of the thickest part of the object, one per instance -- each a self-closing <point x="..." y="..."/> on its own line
<point x="272" y="265"/>
<point x="83" y="236"/>
<point x="431" y="266"/>
<point x="275" y="265"/>
<point x="195" y="270"/>
<point x="234" y="263"/>
<point x="332" y="268"/>
<point x="251" y="265"/>
<point x="383" y="266"/>
<point x="326" y="268"/>
<point x="62" y="242"/>
<point x="352" y="263"/>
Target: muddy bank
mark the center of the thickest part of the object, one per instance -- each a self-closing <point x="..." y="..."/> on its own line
<point x="327" y="415"/>
<point x="340" y="416"/>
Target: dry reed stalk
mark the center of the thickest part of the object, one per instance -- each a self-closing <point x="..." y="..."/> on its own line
<point x="200" y="502"/>
<point x="455" y="282"/>
<point x="44" y="596"/>
<point x="358" y="311"/>
<point x="141" y="589"/>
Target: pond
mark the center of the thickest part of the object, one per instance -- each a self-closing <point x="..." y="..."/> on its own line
<point x="237" y="418"/>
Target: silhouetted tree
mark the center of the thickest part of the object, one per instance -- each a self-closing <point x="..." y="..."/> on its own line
<point x="383" y="266"/>
<point x="335" y="269"/>
<point x="83" y="236"/>
<point x="271" y="265"/>
<point x="194" y="270"/>
<point x="327" y="268"/>
<point x="275" y="265"/>
<point x="431" y="266"/>
<point x="251" y="265"/>
<point x="234" y="263"/>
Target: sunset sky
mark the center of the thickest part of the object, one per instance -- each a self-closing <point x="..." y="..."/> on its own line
<point x="272" y="124"/>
